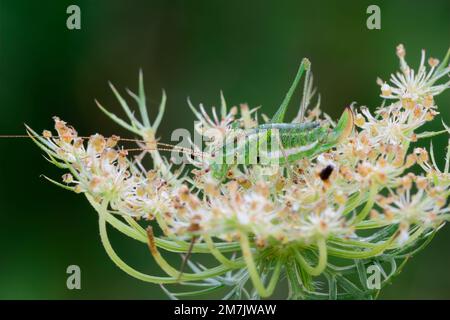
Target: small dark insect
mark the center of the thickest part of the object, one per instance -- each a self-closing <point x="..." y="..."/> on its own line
<point x="326" y="172"/>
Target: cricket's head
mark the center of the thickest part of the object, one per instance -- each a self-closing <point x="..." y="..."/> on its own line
<point x="343" y="129"/>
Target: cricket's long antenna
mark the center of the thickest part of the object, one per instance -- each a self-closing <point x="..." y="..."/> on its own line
<point x="165" y="146"/>
<point x="189" y="152"/>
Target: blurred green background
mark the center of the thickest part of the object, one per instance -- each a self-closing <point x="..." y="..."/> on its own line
<point x="248" y="49"/>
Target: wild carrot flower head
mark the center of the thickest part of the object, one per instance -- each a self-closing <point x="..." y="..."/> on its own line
<point x="323" y="217"/>
<point x="409" y="85"/>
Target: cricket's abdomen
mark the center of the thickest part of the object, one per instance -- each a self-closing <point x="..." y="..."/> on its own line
<point x="270" y="144"/>
<point x="298" y="144"/>
<point x="281" y="142"/>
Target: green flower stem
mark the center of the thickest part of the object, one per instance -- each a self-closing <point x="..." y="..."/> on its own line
<point x="353" y="202"/>
<point x="41" y="142"/>
<point x="295" y="284"/>
<point x="132" y="223"/>
<point x="117" y="120"/>
<point x="321" y="264"/>
<point x="369" y="224"/>
<point x="197" y="248"/>
<point x="253" y="272"/>
<point x="162" y="224"/>
<point x="352" y="243"/>
<point x="179" y="247"/>
<point x="121" y="264"/>
<point x="58" y="184"/>
<point x="369" y="204"/>
<point x="171" y="271"/>
<point x="416" y="234"/>
<point x="102" y="211"/>
<point x="217" y="254"/>
<point x="133" y="121"/>
<point x="162" y="107"/>
<point x="116" y="223"/>
<point x="141" y="101"/>
<point x="355" y="243"/>
<point x="274" y="280"/>
<point x="341" y="253"/>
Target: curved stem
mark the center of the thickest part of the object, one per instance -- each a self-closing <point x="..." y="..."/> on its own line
<point x="162" y="224"/>
<point x="168" y="245"/>
<point x="275" y="276"/>
<point x="253" y="272"/>
<point x="132" y="223"/>
<point x="369" y="204"/>
<point x="209" y="273"/>
<point x="353" y="202"/>
<point x="217" y="254"/>
<point x="122" y="265"/>
<point x="351" y="243"/>
<point x="322" y="262"/>
<point x="369" y="224"/>
<point x="411" y="238"/>
<point x="103" y="213"/>
<point x="116" y="223"/>
<point x="376" y="250"/>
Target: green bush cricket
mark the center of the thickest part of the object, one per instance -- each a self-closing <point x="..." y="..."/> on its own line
<point x="282" y="143"/>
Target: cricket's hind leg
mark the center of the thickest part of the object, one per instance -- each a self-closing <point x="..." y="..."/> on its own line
<point x="286" y="163"/>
